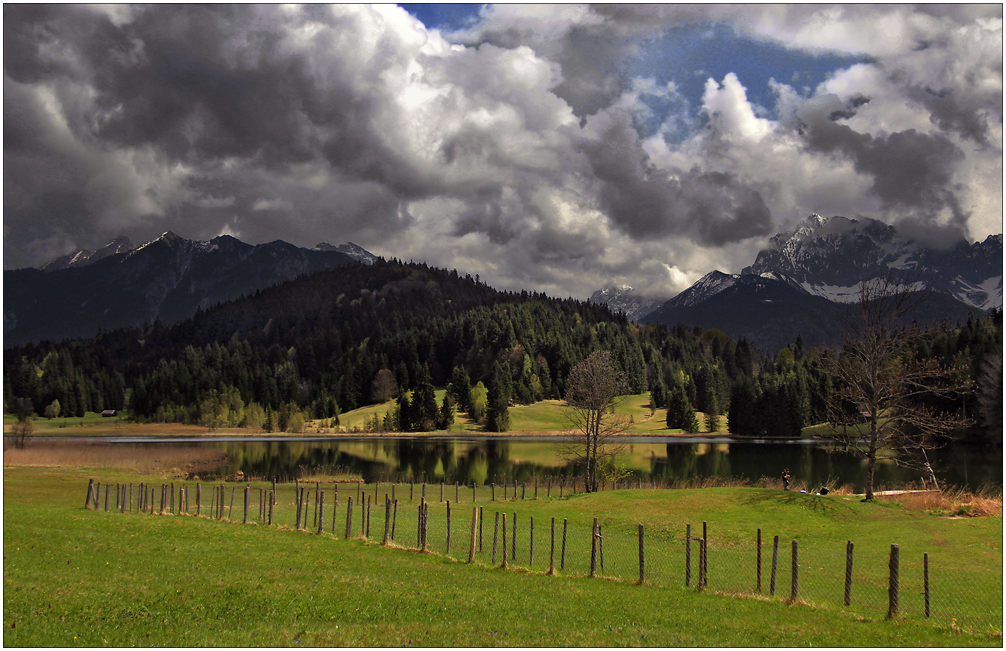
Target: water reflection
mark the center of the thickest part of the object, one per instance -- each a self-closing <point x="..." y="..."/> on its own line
<point x="499" y="460"/>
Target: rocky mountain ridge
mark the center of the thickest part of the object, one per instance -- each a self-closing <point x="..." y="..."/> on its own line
<point x="167" y="279"/>
<point x="807" y="280"/>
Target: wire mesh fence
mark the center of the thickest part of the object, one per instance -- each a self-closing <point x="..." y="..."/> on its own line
<point x="485" y="524"/>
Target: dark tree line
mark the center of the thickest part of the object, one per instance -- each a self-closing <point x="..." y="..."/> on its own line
<point x="344" y="338"/>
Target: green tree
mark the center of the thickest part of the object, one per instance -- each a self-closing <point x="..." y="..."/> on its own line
<point x="680" y="413"/>
<point x="52" y="411"/>
<point x="712" y="412"/>
<point x="498" y="407"/>
<point x="446" y="418"/>
<point x="479" y="402"/>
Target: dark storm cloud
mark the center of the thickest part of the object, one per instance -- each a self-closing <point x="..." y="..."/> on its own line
<point x="644" y="202"/>
<point x="950" y="115"/>
<point x="910" y="170"/>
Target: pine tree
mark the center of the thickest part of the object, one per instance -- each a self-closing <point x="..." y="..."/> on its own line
<point x="498" y="407"/>
<point x="680" y="413"/>
<point x="712" y="412"/>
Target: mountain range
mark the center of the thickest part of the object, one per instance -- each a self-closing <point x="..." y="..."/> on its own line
<point x="804" y="283"/>
<point x="807" y="280"/>
<point x="167" y="279"/>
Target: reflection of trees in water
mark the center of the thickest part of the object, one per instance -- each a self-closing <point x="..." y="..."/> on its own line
<point x="486" y="461"/>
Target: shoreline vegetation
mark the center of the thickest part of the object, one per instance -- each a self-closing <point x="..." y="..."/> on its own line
<point x="543" y="419"/>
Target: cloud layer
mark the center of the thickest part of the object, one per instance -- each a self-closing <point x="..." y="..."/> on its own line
<point x="513" y="149"/>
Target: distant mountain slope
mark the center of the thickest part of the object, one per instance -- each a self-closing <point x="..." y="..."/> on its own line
<point x="624" y="299"/>
<point x="82" y="257"/>
<point x="807" y="281"/>
<point x="772" y="312"/>
<point x="168" y="279"/>
<point x="829" y="257"/>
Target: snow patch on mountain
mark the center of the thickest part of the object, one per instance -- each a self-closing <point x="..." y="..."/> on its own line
<point x="622" y="298"/>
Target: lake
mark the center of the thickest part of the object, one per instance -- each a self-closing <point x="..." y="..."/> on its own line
<point x="497" y="459"/>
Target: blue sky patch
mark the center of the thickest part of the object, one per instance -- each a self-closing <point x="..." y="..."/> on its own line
<point x="691" y="54"/>
<point x="445" y="17"/>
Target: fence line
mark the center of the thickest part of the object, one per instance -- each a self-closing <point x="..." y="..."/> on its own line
<point x="882" y="582"/>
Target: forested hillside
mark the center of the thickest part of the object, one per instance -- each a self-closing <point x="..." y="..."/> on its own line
<point x="340" y="339"/>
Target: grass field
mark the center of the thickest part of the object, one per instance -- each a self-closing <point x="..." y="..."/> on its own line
<point x="94" y="578"/>
<point x="546" y="416"/>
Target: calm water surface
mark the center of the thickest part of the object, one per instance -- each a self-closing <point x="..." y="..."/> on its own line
<point x="488" y="459"/>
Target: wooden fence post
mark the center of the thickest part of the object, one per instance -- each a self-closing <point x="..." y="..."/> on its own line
<point x="536" y="486"/>
<point x="199" y="499"/>
<point x="272" y="500"/>
<point x="424" y="521"/>
<point x="530" y="556"/>
<point x="247" y="502"/>
<point x="503" y="564"/>
<point x="412" y="488"/>
<point x="894" y="582"/>
<point x="394" y="517"/>
<point x="551" y="555"/>
<point x="474" y="493"/>
<point x="448" y="552"/>
<point x="441" y="492"/>
<point x="317" y="486"/>
<point x="562" y="558"/>
<point x="794" y="588"/>
<point x="307" y="507"/>
<point x="321" y="513"/>
<point x="471" y="546"/>
<point x="90" y="493"/>
<point x="848" y="572"/>
<point x="702" y="563"/>
<point x="925" y="580"/>
<point x="419" y="526"/>
<point x="688" y="555"/>
<point x="775" y="565"/>
<point x="366" y="532"/>
<point x="387" y="519"/>
<point x="496" y="530"/>
<point x="359" y="487"/>
<point x="593" y="549"/>
<point x="493" y="485"/>
<point x="705" y="554"/>
<point x="335" y="507"/>
<point x="758" y="564"/>
<point x="457" y="498"/>
<point x="349" y="516"/>
<point x="642" y="561"/>
<point x="513" y="546"/>
<point x="600" y="545"/>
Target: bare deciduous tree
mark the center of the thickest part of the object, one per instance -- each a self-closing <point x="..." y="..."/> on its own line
<point x="592" y="392"/>
<point x="877" y="380"/>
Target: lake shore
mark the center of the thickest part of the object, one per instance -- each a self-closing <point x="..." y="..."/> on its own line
<point x="126" y="429"/>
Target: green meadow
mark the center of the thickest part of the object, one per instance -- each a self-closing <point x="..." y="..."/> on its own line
<point x="76" y="577"/>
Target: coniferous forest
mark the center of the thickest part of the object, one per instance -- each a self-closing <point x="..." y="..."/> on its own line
<point x="340" y="339"/>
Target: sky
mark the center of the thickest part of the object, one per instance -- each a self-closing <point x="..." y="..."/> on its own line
<point x="557" y="148"/>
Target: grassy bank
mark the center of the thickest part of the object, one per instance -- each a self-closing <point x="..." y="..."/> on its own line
<point x="90" y="578"/>
<point x="545" y="418"/>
